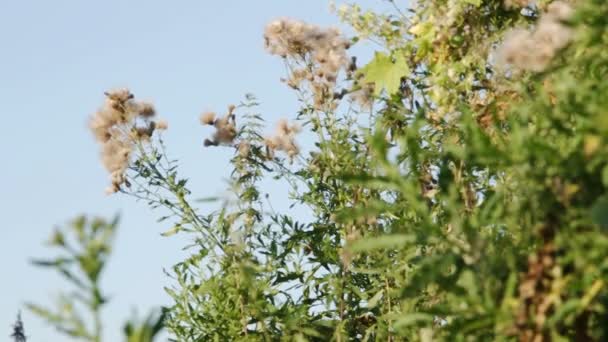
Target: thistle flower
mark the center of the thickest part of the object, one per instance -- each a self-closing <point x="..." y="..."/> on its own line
<point x="162" y="125"/>
<point x="115" y="157"/>
<point x="323" y="51"/>
<point x="207" y="118"/>
<point x="145" y="131"/>
<point x="119" y="95"/>
<point x="225" y="130"/>
<point x="146" y="109"/>
<point x="560" y="10"/>
<point x="117" y="126"/>
<point x="284" y="139"/>
<point x="244" y="148"/>
<point x="231" y="109"/>
<point x="225" y="127"/>
<point x="534" y="50"/>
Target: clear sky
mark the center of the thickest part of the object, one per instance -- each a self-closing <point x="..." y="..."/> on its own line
<point x="56" y="59"/>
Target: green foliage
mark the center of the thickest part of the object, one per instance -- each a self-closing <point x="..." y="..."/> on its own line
<point x="146" y="330"/>
<point x="85" y="246"/>
<point x="467" y="204"/>
<point x="469" y="208"/>
<point x="385" y="73"/>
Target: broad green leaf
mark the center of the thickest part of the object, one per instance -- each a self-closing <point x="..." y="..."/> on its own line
<point x="385" y="72"/>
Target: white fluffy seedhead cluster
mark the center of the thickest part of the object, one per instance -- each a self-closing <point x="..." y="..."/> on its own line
<point x="321" y="50"/>
<point x="518" y="3"/>
<point x="117" y="126"/>
<point x="534" y="50"/>
<point x="225" y="127"/>
<point x="283" y="139"/>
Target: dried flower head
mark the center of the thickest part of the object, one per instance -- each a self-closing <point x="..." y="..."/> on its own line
<point x="143" y="132"/>
<point x="231" y="109"/>
<point x="320" y="53"/>
<point x="121" y="95"/>
<point x="162" y="125"/>
<point x="225" y="130"/>
<point x="225" y="127"/>
<point x="117" y="126"/>
<point x="560" y="10"/>
<point x="146" y="109"/>
<point x="534" y="50"/>
<point x="244" y="148"/>
<point x="283" y="139"/>
<point x="207" y="118"/>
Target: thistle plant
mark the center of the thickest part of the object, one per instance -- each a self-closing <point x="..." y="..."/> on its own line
<point x="454" y="187"/>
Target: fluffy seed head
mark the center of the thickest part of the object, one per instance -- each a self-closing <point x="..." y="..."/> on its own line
<point x="244" y="149"/>
<point x="207" y="118"/>
<point x="284" y="139"/>
<point x="162" y="125"/>
<point x="320" y="52"/>
<point x="225" y="127"/>
<point x="119" y="95"/>
<point x="146" y="109"/>
<point x="534" y="50"/>
<point x="117" y="126"/>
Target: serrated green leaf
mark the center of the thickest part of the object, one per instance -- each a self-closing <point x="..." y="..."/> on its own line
<point x="385" y="72"/>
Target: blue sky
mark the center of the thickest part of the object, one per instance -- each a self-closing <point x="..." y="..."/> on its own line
<point x="57" y="59"/>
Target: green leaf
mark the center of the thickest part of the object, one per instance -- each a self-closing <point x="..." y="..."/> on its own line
<point x="475" y="3"/>
<point x="146" y="330"/>
<point x="605" y="175"/>
<point x="599" y="211"/>
<point x="172" y="231"/>
<point x="372" y="302"/>
<point x="385" y="241"/>
<point x="51" y="263"/>
<point x="564" y="310"/>
<point x="410" y="319"/>
<point x="207" y="199"/>
<point x="385" y="72"/>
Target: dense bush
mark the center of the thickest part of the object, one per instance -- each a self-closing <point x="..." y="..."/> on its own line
<point x="456" y="183"/>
